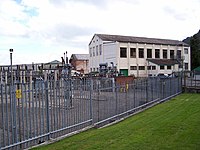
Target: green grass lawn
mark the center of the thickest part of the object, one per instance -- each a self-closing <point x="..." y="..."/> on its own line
<point x="171" y="125"/>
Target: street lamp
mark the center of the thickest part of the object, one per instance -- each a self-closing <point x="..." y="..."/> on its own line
<point x="11" y="51"/>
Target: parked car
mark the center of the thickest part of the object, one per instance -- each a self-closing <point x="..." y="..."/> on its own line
<point x="162" y="75"/>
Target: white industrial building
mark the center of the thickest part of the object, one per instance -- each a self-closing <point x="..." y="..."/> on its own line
<point x="138" y="56"/>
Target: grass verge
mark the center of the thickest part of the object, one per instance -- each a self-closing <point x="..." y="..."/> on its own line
<point x="171" y="125"/>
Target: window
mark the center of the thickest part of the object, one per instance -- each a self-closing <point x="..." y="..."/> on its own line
<point x="164" y="53"/>
<point x="93" y="69"/>
<point x="100" y="49"/>
<point x="179" y="54"/>
<point x="90" y="52"/>
<point x="90" y="69"/>
<point x="133" y="52"/>
<point x="169" y="67"/>
<point x="123" y="52"/>
<point x="153" y="67"/>
<point x="157" y="53"/>
<point x="162" y="67"/>
<point x="186" y="66"/>
<point x="141" y="53"/>
<point x="93" y="51"/>
<point x="97" y="50"/>
<point x="149" y="53"/>
<point x="141" y="67"/>
<point x="133" y="67"/>
<point x="186" y="50"/>
<point x="171" y="54"/>
<point x="148" y="67"/>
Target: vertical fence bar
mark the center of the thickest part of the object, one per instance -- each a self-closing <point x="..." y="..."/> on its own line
<point x="47" y="109"/>
<point x="26" y="112"/>
<point x="91" y="103"/>
<point x="147" y="94"/>
<point x="116" y="103"/>
<point x="7" y="115"/>
<point x="2" y="138"/>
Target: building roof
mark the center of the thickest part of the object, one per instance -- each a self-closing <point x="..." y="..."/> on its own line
<point x="132" y="39"/>
<point x="167" y="62"/>
<point x="54" y="62"/>
<point x="80" y="56"/>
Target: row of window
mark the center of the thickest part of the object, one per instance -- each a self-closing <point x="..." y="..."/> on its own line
<point x="141" y="68"/>
<point x="149" y="67"/>
<point x="162" y="67"/>
<point x="123" y="53"/>
<point x="95" y="51"/>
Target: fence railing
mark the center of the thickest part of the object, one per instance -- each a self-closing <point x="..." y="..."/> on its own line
<point x="31" y="113"/>
<point x="191" y="81"/>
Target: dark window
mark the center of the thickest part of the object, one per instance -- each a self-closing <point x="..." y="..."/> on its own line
<point x="164" y="53"/>
<point x="141" y="67"/>
<point x="179" y="54"/>
<point x="162" y="67"/>
<point x="157" y="53"/>
<point x="123" y="52"/>
<point x="90" y="52"/>
<point x="186" y="50"/>
<point x="97" y="50"/>
<point x="141" y="53"/>
<point x="100" y="49"/>
<point x="171" y="54"/>
<point x="148" y="67"/>
<point x="133" y="67"/>
<point x="149" y="53"/>
<point x="133" y="52"/>
<point x="186" y="66"/>
<point x="153" y="67"/>
<point x="169" y="67"/>
<point x="93" y="51"/>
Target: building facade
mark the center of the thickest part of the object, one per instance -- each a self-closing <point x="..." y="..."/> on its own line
<point x="138" y="56"/>
<point x="80" y="62"/>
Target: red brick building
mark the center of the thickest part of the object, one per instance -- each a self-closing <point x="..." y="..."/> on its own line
<point x="80" y="62"/>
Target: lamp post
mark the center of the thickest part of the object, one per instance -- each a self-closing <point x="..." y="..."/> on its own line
<point x="12" y="100"/>
<point x="11" y="51"/>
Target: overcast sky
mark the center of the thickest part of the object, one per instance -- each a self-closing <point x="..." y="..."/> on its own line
<point x="42" y="30"/>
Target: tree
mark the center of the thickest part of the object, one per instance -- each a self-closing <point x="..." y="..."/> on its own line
<point x="194" y="43"/>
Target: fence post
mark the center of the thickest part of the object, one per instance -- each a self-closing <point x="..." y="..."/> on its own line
<point x="91" y="113"/>
<point x="147" y="90"/>
<point x="184" y="76"/>
<point x="6" y="77"/>
<point x="160" y="89"/>
<point x="116" y="97"/>
<point x="47" y="110"/>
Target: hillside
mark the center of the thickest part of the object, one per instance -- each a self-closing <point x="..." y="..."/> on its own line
<point x="194" y="42"/>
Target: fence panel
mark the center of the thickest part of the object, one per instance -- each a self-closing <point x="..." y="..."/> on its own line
<point x="34" y="112"/>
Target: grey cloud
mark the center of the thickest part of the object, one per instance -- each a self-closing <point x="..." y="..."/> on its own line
<point x="62" y="34"/>
<point x="62" y="31"/>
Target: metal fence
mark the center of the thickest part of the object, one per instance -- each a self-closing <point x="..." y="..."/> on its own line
<point x="191" y="81"/>
<point x="31" y="113"/>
